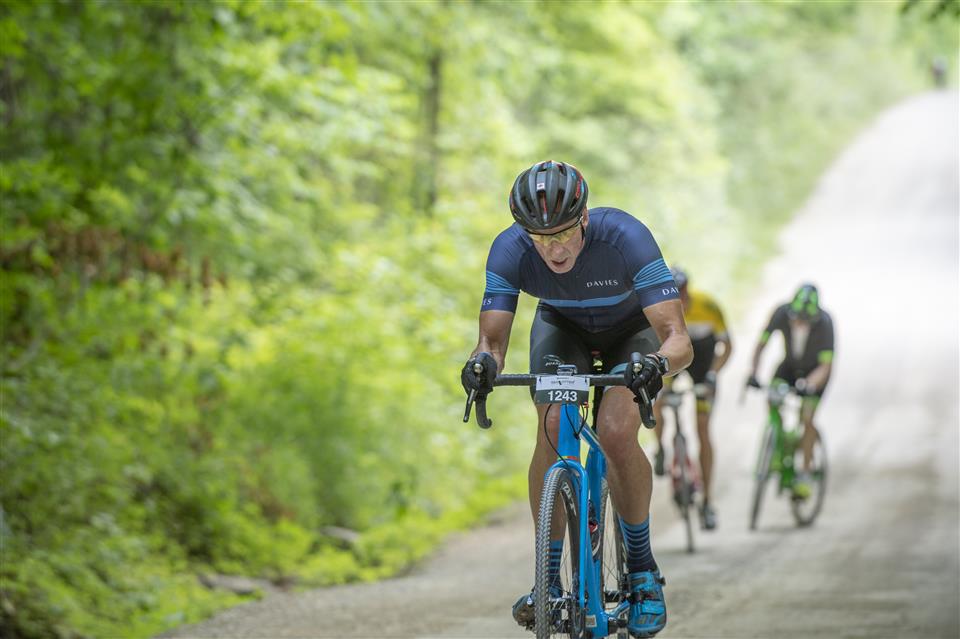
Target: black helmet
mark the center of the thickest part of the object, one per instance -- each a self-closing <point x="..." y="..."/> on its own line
<point x="679" y="276"/>
<point x="805" y="304"/>
<point x="548" y="194"/>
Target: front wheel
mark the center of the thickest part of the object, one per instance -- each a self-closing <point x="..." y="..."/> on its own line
<point x="556" y="606"/>
<point x="806" y="510"/>
<point x="762" y="473"/>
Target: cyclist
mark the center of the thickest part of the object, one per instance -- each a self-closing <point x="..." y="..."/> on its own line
<point x="938" y="69"/>
<point x="708" y="333"/>
<point x="603" y="286"/>
<point x="808" y="341"/>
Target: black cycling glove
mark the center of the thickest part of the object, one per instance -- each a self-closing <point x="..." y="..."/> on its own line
<point x="710" y="381"/>
<point x="481" y="382"/>
<point x="804" y="388"/>
<point x="649" y="378"/>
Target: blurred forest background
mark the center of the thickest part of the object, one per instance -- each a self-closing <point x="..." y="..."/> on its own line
<point x="243" y="244"/>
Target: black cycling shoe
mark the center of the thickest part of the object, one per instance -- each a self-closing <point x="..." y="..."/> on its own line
<point x="658" y="463"/>
<point x="523" y="611"/>
<point x="708" y="517"/>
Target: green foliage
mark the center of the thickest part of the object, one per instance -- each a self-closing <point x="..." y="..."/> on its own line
<point x="243" y="248"/>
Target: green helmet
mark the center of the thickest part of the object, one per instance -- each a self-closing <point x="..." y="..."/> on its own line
<point x="805" y="304"/>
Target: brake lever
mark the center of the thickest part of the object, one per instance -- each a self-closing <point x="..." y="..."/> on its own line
<point x="482" y="419"/>
<point x="645" y="405"/>
<point x="466" y="410"/>
<point x="646" y="410"/>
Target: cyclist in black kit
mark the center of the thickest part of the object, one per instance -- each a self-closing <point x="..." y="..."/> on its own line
<point x="603" y="286"/>
<point x="808" y="361"/>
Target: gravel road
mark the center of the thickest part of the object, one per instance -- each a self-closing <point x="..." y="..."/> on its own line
<point x="880" y="237"/>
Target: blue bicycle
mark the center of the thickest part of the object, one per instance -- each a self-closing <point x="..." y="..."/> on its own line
<point x="592" y="599"/>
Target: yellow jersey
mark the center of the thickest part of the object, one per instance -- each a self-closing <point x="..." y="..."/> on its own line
<point x="703" y="316"/>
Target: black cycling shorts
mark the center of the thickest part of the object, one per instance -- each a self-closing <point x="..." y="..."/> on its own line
<point x="555" y="340"/>
<point x="704" y="352"/>
<point x="790" y="375"/>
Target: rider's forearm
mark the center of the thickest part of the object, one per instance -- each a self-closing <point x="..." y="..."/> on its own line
<point x="495" y="335"/>
<point x="720" y="360"/>
<point x="496" y="348"/>
<point x="818" y="376"/>
<point x="756" y="358"/>
<point x="678" y="351"/>
<point x="666" y="318"/>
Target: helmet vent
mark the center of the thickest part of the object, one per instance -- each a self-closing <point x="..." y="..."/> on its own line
<point x="547" y="195"/>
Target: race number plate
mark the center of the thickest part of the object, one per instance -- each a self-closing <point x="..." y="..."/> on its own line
<point x="561" y="389"/>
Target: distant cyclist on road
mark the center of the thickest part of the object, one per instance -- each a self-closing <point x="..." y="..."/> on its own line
<point x="711" y="350"/>
<point x="808" y="340"/>
<point x="603" y="286"/>
<point x="938" y="69"/>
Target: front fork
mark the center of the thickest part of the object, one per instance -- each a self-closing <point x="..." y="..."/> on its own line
<point x="590" y="579"/>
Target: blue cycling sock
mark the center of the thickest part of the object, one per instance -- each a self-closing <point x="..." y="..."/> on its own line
<point x="556" y="552"/>
<point x="636" y="538"/>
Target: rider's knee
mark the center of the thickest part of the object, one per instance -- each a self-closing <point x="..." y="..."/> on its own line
<point x="552" y="426"/>
<point x="615" y="436"/>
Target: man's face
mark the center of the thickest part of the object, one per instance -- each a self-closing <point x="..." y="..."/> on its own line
<point x="560" y="246"/>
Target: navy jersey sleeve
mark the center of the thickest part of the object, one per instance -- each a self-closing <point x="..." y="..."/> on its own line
<point x="503" y="274"/>
<point x="778" y="322"/>
<point x="652" y="280"/>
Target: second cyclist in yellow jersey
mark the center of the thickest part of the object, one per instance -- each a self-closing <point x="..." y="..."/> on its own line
<point x="711" y="350"/>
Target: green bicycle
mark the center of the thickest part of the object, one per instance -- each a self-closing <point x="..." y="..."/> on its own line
<point x="781" y="455"/>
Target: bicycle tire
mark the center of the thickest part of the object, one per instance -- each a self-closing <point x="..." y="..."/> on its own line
<point x="806" y="511"/>
<point x="558" y="617"/>
<point x="614" y="576"/>
<point x="762" y="473"/>
<point x="684" y="498"/>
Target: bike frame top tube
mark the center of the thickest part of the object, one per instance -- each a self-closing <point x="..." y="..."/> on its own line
<point x="777" y="396"/>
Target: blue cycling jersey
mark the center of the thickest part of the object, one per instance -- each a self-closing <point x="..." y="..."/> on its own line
<point x="619" y="272"/>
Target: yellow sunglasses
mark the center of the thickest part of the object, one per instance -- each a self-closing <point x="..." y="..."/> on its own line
<point x="559" y="236"/>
